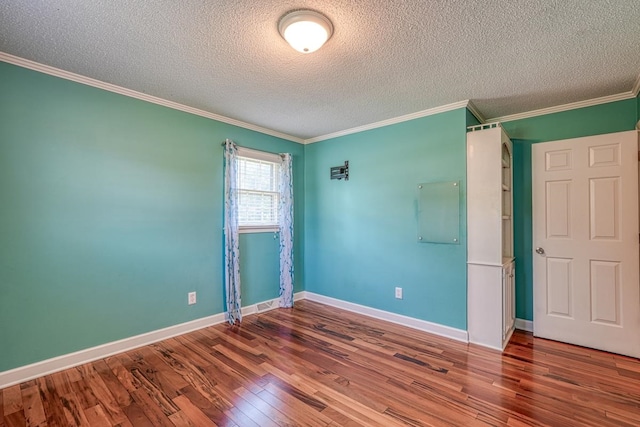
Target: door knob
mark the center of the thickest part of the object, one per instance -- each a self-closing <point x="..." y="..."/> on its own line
<point x="540" y="251"/>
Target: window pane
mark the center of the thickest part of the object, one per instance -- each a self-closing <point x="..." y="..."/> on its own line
<point x="257" y="175"/>
<point x="258" y="192"/>
<point x="257" y="208"/>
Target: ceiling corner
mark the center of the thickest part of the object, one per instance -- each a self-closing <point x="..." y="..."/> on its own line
<point x="636" y="87"/>
<point x="88" y="81"/>
<point x="474" y="110"/>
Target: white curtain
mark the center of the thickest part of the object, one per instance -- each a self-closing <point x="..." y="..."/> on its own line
<point x="231" y="237"/>
<point x="285" y="221"/>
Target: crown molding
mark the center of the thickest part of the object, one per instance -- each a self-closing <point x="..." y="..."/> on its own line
<point x="636" y="87"/>
<point x="46" y="69"/>
<point x="52" y="71"/>
<point x="474" y="110"/>
<point x="400" y="119"/>
<point x="564" y="107"/>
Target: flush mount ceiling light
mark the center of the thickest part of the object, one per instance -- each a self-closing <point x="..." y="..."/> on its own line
<point x="305" y="30"/>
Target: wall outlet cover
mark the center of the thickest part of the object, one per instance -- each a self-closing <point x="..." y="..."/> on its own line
<point x="192" y="298"/>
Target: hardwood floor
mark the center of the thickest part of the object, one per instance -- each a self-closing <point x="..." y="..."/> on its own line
<point x="320" y="366"/>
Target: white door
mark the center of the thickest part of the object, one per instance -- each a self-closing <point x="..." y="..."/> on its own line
<point x="585" y="238"/>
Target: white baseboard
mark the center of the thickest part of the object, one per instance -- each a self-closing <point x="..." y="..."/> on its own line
<point x="49" y="366"/>
<point x="265" y="305"/>
<point x="524" y="325"/>
<point x="411" y="322"/>
<point x="66" y="361"/>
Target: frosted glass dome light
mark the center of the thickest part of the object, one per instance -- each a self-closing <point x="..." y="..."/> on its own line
<point x="305" y="30"/>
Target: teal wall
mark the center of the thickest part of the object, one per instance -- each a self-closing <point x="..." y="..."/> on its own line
<point x="110" y="212"/>
<point x="358" y="216"/>
<point x="471" y="119"/>
<point x="600" y="119"/>
<point x="361" y="234"/>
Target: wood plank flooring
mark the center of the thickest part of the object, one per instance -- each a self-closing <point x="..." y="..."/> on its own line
<point x="320" y="366"/>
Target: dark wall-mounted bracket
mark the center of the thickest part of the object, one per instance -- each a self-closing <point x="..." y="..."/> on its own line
<point x="340" y="172"/>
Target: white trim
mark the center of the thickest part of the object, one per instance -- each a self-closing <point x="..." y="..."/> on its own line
<point x="524" y="325"/>
<point x="32" y="65"/>
<point x="246" y="229"/>
<point x="476" y="113"/>
<point x="275" y="160"/>
<point x="263" y="306"/>
<point x="505" y="342"/>
<point x="46" y="69"/>
<point x="392" y="121"/>
<point x="52" y="71"/>
<point x="506" y="261"/>
<point x="565" y="107"/>
<point x="636" y="87"/>
<point x="265" y="156"/>
<point x="411" y="322"/>
<point x="484" y="126"/>
<point x="66" y="361"/>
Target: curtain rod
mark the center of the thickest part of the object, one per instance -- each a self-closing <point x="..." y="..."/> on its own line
<point x="225" y="143"/>
<point x="246" y="148"/>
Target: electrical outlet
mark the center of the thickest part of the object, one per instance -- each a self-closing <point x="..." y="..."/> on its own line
<point x="399" y="293"/>
<point x="192" y="298"/>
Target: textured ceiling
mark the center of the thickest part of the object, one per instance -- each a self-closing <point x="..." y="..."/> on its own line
<point x="387" y="58"/>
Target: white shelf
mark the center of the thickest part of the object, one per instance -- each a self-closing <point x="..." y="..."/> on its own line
<point x="490" y="265"/>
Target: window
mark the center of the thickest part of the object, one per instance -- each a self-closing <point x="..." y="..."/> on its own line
<point x="258" y="174"/>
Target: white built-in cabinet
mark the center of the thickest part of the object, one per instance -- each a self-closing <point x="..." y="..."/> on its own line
<point x="490" y="261"/>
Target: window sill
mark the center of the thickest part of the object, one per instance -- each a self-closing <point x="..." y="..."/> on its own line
<point x="258" y="229"/>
